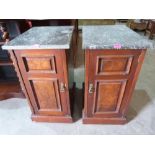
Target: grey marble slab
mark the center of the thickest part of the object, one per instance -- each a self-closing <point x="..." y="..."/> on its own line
<point x="113" y="37"/>
<point x="47" y="37"/>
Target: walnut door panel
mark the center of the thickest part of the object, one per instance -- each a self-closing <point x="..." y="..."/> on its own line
<point x="40" y="64"/>
<point x="114" y="65"/>
<point x="43" y="75"/>
<point x="108" y="97"/>
<point x="110" y="74"/>
<point x="47" y="96"/>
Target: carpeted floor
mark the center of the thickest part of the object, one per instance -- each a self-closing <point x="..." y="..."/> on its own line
<point x="15" y="113"/>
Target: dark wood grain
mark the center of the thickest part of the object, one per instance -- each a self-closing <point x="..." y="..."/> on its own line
<point x="113" y="75"/>
<point x="45" y="81"/>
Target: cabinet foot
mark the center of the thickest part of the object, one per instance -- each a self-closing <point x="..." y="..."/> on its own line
<point x="52" y="119"/>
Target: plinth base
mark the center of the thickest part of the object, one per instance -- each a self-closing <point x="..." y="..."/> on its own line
<point x="52" y="119"/>
<point x="113" y="120"/>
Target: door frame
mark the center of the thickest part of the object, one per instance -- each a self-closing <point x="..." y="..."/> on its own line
<point x="135" y="69"/>
<point x="31" y="96"/>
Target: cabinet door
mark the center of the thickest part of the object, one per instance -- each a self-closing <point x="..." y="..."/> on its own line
<point x="43" y="73"/>
<point x="110" y="81"/>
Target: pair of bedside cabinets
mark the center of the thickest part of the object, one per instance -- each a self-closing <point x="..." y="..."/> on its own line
<point x="43" y="59"/>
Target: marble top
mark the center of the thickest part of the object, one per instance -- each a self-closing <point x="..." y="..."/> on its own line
<point x="47" y="37"/>
<point x="112" y="37"/>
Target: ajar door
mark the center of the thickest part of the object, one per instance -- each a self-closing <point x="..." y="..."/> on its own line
<point x="110" y="81"/>
<point x="43" y="73"/>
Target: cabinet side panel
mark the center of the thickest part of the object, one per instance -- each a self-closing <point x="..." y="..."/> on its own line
<point x="132" y="80"/>
<point x="21" y="80"/>
<point x="86" y="99"/>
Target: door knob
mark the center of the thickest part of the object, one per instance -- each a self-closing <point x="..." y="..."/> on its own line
<point x="91" y="88"/>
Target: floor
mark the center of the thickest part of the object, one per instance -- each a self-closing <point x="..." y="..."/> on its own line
<point x="15" y="113"/>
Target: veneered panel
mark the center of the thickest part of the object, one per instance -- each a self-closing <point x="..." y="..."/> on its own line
<point x="114" y="65"/>
<point x="109" y="95"/>
<point x="46" y="94"/>
<point x="35" y="64"/>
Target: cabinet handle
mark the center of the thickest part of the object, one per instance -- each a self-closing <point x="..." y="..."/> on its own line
<point x="62" y="87"/>
<point x="91" y="88"/>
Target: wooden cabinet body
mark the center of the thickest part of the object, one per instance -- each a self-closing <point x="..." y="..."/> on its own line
<point x="110" y="79"/>
<point x="44" y="74"/>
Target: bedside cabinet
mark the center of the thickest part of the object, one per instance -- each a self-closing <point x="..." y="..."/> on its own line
<point x="113" y="59"/>
<point x="43" y="60"/>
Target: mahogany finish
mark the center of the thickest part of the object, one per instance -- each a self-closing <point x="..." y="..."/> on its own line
<point x="110" y="79"/>
<point x="45" y="83"/>
<point x="10" y="90"/>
